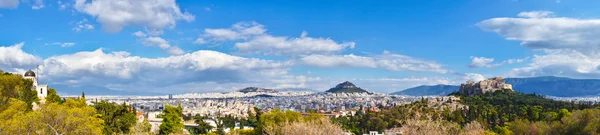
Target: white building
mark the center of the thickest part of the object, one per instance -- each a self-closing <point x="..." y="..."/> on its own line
<point x="41" y="89"/>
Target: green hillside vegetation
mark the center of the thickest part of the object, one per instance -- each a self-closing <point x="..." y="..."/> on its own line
<point x="59" y="115"/>
<point x="501" y="112"/>
<point x="346" y="90"/>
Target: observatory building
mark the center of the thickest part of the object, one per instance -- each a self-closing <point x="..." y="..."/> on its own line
<point x="42" y="89"/>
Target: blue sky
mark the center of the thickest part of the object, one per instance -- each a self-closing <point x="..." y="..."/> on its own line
<point x="167" y="46"/>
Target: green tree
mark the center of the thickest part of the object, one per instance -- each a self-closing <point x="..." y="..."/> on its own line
<point x="172" y="120"/>
<point x="203" y="127"/>
<point x="52" y="96"/>
<point x="118" y="119"/>
<point x="14" y="86"/>
<point x="72" y="117"/>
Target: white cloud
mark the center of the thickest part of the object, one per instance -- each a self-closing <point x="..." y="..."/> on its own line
<point x="471" y="77"/>
<point x="253" y="38"/>
<point x="139" y="34"/>
<point x="479" y="62"/>
<point x="547" y="33"/>
<point x="121" y="70"/>
<point x="387" y="60"/>
<point x="11" y="4"/>
<point x="83" y="25"/>
<point x="161" y="43"/>
<point x="116" y="14"/>
<point x="175" y="50"/>
<point x="199" y="71"/>
<point x="65" y="44"/>
<point x="566" y="63"/>
<point x="13" y="57"/>
<point x="38" y="4"/>
<point x="156" y="41"/>
<point x="536" y="14"/>
<point x="200" y="41"/>
<point x="569" y="45"/>
<point x="61" y="5"/>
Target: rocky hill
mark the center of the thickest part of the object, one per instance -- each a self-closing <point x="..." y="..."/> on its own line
<point x="346" y="87"/>
<point x="256" y="89"/>
<point x="546" y="85"/>
<point x="484" y="86"/>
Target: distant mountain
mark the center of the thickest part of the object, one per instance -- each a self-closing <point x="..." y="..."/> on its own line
<point x="346" y="87"/>
<point x="256" y="89"/>
<point x="424" y="90"/>
<point x="556" y="86"/>
<point x="546" y="85"/>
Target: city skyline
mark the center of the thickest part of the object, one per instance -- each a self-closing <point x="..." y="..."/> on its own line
<point x="176" y="47"/>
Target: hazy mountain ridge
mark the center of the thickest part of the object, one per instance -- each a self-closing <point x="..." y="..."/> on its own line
<point x="425" y="90"/>
<point x="546" y="85"/>
<point x="256" y="89"/>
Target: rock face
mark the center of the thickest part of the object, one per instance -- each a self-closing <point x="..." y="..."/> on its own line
<point x="482" y="87"/>
<point x="256" y="89"/>
<point x="346" y="87"/>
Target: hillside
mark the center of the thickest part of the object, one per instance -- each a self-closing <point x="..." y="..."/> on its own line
<point x="346" y="87"/>
<point x="548" y="85"/>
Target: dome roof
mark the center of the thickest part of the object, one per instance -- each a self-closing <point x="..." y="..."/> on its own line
<point x="29" y="74"/>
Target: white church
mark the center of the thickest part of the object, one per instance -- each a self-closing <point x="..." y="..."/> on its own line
<point x="42" y="89"/>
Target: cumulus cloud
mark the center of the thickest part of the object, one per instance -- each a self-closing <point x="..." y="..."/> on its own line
<point x="11" y="4"/>
<point x="470" y="77"/>
<point x="386" y="60"/>
<point x="477" y="62"/>
<point x="161" y="43"/>
<point x="13" y="57"/>
<point x="547" y="33"/>
<point x="480" y="62"/>
<point x="566" y="63"/>
<point x="252" y="38"/>
<point x="570" y="46"/>
<point x="116" y="14"/>
<point x="121" y="70"/>
<point x="61" y="44"/>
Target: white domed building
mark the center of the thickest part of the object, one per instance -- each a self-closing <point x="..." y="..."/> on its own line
<point x="42" y="89"/>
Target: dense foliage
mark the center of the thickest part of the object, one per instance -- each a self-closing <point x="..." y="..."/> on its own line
<point x="53" y="97"/>
<point x="172" y="120"/>
<point x="117" y="118"/>
<point x="59" y="116"/>
<point x="493" y="111"/>
<point x="500" y="107"/>
<point x="14" y="86"/>
<point x="71" y="117"/>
